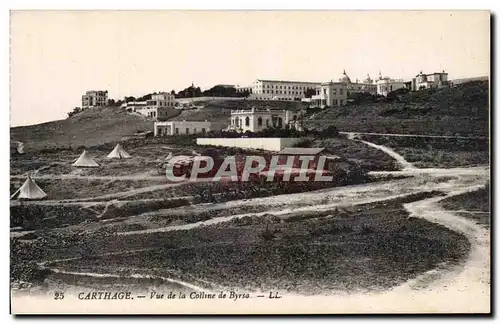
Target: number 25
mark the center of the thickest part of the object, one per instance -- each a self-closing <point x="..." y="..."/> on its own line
<point x="58" y="296"/>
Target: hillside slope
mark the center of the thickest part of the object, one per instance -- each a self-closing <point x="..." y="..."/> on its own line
<point x="219" y="111"/>
<point x="463" y="110"/>
<point x="90" y="127"/>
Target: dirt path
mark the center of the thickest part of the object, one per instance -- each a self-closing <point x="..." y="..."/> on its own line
<point x="89" y="177"/>
<point x="414" y="135"/>
<point x="460" y="289"/>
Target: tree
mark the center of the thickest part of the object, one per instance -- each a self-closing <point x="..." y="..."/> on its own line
<point x="189" y="92"/>
<point x="129" y="99"/>
<point x="145" y="97"/>
<point x="309" y="93"/>
<point x="221" y="91"/>
<point x="75" y="111"/>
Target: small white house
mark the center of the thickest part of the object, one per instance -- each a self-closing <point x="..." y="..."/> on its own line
<point x="183" y="127"/>
<point x="255" y="120"/>
<point x="386" y="85"/>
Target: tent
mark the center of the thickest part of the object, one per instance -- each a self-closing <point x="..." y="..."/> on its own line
<point x="169" y="156"/>
<point x="16" y="147"/>
<point x="85" y="160"/>
<point x="29" y="190"/>
<point x="118" y="153"/>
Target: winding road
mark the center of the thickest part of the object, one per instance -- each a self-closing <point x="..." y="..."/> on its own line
<point x="464" y="288"/>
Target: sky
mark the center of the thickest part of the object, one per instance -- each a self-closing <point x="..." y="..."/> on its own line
<point x="58" y="55"/>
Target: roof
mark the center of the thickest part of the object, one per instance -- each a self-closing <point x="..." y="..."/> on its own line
<point x="301" y="150"/>
<point x="279" y="81"/>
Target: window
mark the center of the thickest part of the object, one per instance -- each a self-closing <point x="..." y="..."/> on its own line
<point x="280" y="122"/>
<point x="267" y="122"/>
<point x="247" y="121"/>
<point x="259" y="121"/>
<point x="341" y="91"/>
<point x="334" y="102"/>
<point x="203" y="130"/>
<point x="176" y="131"/>
<point x="194" y="130"/>
<point x="187" y="130"/>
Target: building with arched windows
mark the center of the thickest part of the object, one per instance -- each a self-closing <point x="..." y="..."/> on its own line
<point x="257" y="120"/>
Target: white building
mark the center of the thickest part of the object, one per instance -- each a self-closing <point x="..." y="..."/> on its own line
<point x="330" y="94"/>
<point x="241" y="89"/>
<point x="163" y="99"/>
<point x="425" y="81"/>
<point x="256" y="120"/>
<point x="95" y="98"/>
<point x="386" y="85"/>
<point x="281" y="90"/>
<point x="136" y="106"/>
<point x="177" y="127"/>
<point x="156" y="107"/>
<point x="368" y="85"/>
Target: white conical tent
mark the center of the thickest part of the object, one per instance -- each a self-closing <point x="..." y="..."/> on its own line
<point x="118" y="153"/>
<point x="29" y="190"/>
<point x="85" y="160"/>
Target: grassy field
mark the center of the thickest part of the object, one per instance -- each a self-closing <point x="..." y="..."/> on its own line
<point x="91" y="127"/>
<point x="475" y="205"/>
<point x="437" y="152"/>
<point x="354" y="248"/>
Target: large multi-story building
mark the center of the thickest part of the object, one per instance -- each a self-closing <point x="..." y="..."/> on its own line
<point x="330" y="94"/>
<point x="254" y="120"/>
<point x="368" y="85"/>
<point x="95" y="98"/>
<point x="281" y="90"/>
<point x="425" y="81"/>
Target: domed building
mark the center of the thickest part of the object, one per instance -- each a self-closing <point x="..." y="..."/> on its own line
<point x="366" y="86"/>
<point x="345" y="78"/>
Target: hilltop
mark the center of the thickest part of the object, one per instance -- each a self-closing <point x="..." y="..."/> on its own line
<point x="460" y="110"/>
<point x="90" y="127"/>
